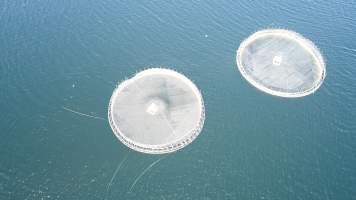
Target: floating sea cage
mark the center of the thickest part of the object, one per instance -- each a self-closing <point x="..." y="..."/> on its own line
<point x="156" y="111"/>
<point x="281" y="62"/>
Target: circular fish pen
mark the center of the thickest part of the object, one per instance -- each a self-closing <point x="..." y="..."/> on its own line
<point x="156" y="111"/>
<point x="281" y="62"/>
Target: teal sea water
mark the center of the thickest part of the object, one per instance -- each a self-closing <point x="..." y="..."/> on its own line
<point x="61" y="60"/>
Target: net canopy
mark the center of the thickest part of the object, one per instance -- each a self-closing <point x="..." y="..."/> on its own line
<point x="281" y="63"/>
<point x="156" y="111"/>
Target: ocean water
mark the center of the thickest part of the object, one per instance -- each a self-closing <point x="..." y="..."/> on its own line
<point x="61" y="60"/>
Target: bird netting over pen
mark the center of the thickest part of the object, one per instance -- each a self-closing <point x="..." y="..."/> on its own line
<point x="156" y="111"/>
<point x="281" y="63"/>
